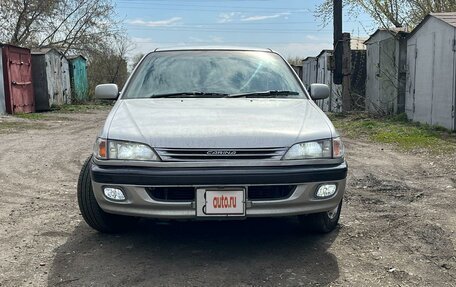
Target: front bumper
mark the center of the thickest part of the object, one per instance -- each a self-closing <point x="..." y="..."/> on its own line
<point x="134" y="181"/>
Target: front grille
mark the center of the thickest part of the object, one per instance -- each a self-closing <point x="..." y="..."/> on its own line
<point x="182" y="154"/>
<point x="254" y="193"/>
<point x="172" y="193"/>
<point x="270" y="192"/>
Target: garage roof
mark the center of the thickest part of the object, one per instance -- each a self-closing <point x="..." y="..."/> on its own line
<point x="449" y="17"/>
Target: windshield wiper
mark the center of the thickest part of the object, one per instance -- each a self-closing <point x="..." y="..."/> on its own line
<point x="264" y="94"/>
<point x="189" y="95"/>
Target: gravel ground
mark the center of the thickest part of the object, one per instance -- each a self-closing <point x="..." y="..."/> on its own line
<point x="397" y="227"/>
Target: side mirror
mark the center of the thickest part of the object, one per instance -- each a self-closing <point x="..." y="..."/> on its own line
<point x="319" y="91"/>
<point x="106" y="92"/>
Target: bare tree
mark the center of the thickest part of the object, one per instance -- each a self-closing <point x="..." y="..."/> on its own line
<point x="136" y="59"/>
<point x="109" y="65"/>
<point x="420" y="8"/>
<point x="294" y="61"/>
<point x="388" y="13"/>
<point x="69" y="25"/>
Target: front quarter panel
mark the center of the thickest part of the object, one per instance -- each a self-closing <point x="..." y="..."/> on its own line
<point x="104" y="132"/>
<point x="328" y="122"/>
<point x="315" y="124"/>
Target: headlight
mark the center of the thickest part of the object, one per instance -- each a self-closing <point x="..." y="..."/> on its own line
<point x="124" y="150"/>
<point x="328" y="148"/>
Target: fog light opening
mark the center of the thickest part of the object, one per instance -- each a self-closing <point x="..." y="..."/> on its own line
<point x="326" y="190"/>
<point x="114" y="193"/>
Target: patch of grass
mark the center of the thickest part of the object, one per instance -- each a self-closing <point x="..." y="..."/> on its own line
<point x="10" y="127"/>
<point x="395" y="130"/>
<point x="32" y="116"/>
<point x="82" y="108"/>
<point x="42" y="117"/>
<point x="64" y="109"/>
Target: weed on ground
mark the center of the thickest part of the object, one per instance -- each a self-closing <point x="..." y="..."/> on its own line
<point x="396" y="130"/>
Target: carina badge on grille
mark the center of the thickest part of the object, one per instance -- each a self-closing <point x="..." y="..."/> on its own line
<point x="221" y="152"/>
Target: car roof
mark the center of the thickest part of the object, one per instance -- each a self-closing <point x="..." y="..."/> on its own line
<point x="211" y="48"/>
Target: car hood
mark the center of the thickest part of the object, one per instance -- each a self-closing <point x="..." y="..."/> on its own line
<point x="217" y="123"/>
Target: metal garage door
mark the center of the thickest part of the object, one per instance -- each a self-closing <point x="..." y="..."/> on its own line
<point x="18" y="80"/>
<point x="2" y="87"/>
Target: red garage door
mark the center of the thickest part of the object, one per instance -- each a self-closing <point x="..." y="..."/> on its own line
<point x="18" y="80"/>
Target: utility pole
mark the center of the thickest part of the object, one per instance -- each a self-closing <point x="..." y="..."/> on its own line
<point x="346" y="73"/>
<point x="342" y="57"/>
<point x="338" y="49"/>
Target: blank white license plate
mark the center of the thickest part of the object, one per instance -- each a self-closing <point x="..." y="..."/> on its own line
<point x="224" y="202"/>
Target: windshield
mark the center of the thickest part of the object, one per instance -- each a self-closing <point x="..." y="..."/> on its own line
<point x="213" y="74"/>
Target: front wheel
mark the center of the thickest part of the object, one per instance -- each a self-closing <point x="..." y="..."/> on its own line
<point x="91" y="211"/>
<point x="323" y="222"/>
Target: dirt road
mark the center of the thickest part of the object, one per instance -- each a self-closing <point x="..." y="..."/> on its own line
<point x="398" y="225"/>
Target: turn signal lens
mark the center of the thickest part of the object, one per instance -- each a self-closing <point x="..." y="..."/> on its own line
<point x="338" y="148"/>
<point x="101" y="149"/>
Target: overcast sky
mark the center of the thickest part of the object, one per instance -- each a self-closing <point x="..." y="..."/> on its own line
<point x="288" y="27"/>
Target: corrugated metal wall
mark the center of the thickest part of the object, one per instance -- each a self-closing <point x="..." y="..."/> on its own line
<point x="66" y="83"/>
<point x="2" y="87"/>
<point x="58" y="78"/>
<point x="318" y="70"/>
<point x="325" y="76"/>
<point x="17" y="69"/>
<point x="382" y="74"/>
<point x="358" y="80"/>
<point x="454" y="82"/>
<point x="40" y="85"/>
<point x="298" y="70"/>
<point x="78" y="78"/>
<point x="372" y="83"/>
<point x="51" y="79"/>
<point x="430" y="89"/>
<point x="309" y="71"/>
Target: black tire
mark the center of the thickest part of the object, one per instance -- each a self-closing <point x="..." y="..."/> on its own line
<point x="91" y="211"/>
<point x="323" y="222"/>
